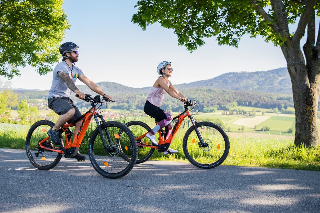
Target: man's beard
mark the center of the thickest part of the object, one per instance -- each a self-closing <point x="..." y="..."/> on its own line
<point x="73" y="59"/>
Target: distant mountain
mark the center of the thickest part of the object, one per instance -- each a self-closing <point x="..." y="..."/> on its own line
<point x="272" y="81"/>
<point x="265" y="89"/>
<point x="115" y="88"/>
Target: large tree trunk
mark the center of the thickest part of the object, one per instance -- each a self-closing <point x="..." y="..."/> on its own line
<point x="305" y="89"/>
<point x="305" y="98"/>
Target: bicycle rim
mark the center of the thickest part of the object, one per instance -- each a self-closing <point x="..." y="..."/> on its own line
<point x="138" y="128"/>
<point x="115" y="157"/>
<point x="212" y="152"/>
<point x="41" y="158"/>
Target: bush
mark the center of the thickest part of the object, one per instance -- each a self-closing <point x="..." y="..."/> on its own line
<point x="265" y="128"/>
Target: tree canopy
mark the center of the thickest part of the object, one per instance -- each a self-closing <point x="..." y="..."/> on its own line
<point x="30" y="31"/>
<point x="228" y="21"/>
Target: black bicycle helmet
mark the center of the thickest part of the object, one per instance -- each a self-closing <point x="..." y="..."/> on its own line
<point x="67" y="47"/>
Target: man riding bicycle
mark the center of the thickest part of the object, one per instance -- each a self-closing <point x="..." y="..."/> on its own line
<point x="65" y="75"/>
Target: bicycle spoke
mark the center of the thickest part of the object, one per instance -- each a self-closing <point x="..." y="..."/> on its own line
<point x="115" y="156"/>
<point x="144" y="150"/>
<point x="39" y="147"/>
<point x="209" y="152"/>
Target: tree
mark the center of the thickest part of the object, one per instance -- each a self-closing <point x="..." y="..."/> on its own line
<point x="34" y="114"/>
<point x="30" y="31"/>
<point x="23" y="111"/>
<point x="228" y="21"/>
<point x="8" y="99"/>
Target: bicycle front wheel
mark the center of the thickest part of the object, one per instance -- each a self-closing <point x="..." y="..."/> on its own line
<point x="41" y="158"/>
<point x="144" y="151"/>
<point x="113" y="150"/>
<point x="209" y="151"/>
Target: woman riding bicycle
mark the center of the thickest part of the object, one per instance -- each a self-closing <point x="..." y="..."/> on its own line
<point x="154" y="101"/>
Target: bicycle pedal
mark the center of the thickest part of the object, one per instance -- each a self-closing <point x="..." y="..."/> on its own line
<point x="163" y="147"/>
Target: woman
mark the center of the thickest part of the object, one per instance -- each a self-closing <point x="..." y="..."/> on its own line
<point x="154" y="101"/>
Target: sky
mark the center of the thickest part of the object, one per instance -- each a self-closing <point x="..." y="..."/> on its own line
<point x="113" y="49"/>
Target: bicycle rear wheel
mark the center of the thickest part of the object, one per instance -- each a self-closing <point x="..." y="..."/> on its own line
<point x="214" y="149"/>
<point x="41" y="158"/>
<point x="144" y="152"/>
<point x="113" y="152"/>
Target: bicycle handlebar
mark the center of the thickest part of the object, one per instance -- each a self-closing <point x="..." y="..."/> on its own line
<point x="190" y="103"/>
<point x="96" y="99"/>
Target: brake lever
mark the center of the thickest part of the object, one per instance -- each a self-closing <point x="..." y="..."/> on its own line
<point x="107" y="99"/>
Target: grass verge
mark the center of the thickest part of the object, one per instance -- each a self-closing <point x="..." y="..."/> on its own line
<point x="257" y="151"/>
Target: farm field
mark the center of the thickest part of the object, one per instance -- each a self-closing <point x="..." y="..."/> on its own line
<point x="276" y="123"/>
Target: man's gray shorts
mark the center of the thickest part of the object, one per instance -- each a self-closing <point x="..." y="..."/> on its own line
<point x="62" y="105"/>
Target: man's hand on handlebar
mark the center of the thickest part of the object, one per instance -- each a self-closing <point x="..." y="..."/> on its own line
<point x="80" y="94"/>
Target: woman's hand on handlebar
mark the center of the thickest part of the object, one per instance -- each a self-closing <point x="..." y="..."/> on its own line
<point x="184" y="100"/>
<point x="107" y="97"/>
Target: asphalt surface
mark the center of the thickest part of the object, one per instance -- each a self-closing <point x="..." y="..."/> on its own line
<point x="155" y="186"/>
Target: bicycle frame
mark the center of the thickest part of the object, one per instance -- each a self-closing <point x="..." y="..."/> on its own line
<point x="180" y="118"/>
<point x="79" y="137"/>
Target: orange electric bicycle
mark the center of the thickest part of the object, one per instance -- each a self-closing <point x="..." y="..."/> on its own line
<point x="112" y="146"/>
<point x="205" y="144"/>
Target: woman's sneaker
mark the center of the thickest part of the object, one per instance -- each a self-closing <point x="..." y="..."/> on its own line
<point x="170" y="151"/>
<point x="153" y="139"/>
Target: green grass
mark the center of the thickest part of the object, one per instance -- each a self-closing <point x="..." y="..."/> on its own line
<point x="278" y="123"/>
<point x="13" y="136"/>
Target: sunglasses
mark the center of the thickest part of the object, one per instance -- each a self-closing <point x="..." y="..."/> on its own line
<point x="170" y="69"/>
<point x="76" y="52"/>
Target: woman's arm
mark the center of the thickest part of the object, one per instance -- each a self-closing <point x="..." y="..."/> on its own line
<point x="163" y="84"/>
<point x="176" y="91"/>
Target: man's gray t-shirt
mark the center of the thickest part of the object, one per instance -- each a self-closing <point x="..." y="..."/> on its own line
<point x="59" y="88"/>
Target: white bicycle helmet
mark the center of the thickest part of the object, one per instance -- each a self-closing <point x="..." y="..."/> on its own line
<point x="161" y="66"/>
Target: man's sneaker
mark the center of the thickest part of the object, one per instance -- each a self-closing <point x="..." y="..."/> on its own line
<point x="152" y="138"/>
<point x="73" y="152"/>
<point x="54" y="136"/>
<point x="48" y="144"/>
<point x="170" y="151"/>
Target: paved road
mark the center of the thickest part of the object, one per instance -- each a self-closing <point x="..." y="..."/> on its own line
<point x="154" y="186"/>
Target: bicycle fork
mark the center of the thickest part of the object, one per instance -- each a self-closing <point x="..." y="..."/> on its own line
<point x="201" y="143"/>
<point x="109" y="147"/>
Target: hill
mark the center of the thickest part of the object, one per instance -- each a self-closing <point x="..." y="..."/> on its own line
<point x="272" y="81"/>
<point x="267" y="89"/>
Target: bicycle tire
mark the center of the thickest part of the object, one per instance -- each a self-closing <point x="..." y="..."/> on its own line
<point x="213" y="153"/>
<point x="40" y="158"/>
<point x="138" y="128"/>
<point x="116" y="158"/>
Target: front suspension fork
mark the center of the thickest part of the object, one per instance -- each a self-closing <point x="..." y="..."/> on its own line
<point x="106" y="147"/>
<point x="201" y="143"/>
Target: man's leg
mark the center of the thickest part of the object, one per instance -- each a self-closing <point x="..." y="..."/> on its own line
<point x="63" y="119"/>
<point x="73" y="152"/>
<point x="75" y="133"/>
<point x="54" y="131"/>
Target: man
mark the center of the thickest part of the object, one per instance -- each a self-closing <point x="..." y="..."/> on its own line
<point x="65" y="75"/>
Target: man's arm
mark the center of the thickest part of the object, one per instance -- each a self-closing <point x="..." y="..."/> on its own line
<point x="92" y="85"/>
<point x="70" y="84"/>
